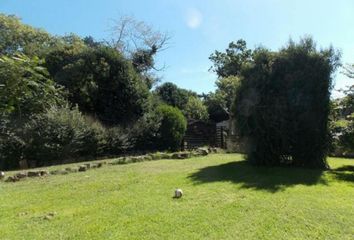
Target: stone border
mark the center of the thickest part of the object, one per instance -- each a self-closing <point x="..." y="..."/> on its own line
<point x="122" y="160"/>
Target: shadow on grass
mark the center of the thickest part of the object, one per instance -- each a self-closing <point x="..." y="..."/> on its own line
<point x="270" y="179"/>
<point x="344" y="173"/>
<point x="345" y="168"/>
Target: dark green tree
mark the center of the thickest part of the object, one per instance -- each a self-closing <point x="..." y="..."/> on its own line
<point x="282" y="105"/>
<point x="174" y="96"/>
<point x="101" y="81"/>
<point x="219" y="103"/>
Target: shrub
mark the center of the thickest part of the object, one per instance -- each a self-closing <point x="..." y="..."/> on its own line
<point x="114" y="141"/>
<point x="144" y="134"/>
<point x="346" y="138"/>
<point x="60" y="134"/>
<point x="172" y="128"/>
<point x="11" y="144"/>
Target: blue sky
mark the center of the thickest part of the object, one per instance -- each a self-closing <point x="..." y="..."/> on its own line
<point x="198" y="27"/>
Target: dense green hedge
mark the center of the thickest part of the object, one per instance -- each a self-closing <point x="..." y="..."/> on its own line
<point x="64" y="134"/>
<point x="282" y="105"/>
<point x="59" y="134"/>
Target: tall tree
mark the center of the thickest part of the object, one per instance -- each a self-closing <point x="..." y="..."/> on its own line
<point x="228" y="66"/>
<point x="282" y="105"/>
<point x="25" y="86"/>
<point x="101" y="81"/>
<point x="195" y="109"/>
<point x="19" y="37"/>
<point x="174" y="96"/>
<point x="220" y="102"/>
<point x="139" y="42"/>
<point x="230" y="62"/>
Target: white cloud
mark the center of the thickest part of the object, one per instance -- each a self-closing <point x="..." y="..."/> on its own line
<point x="194" y="18"/>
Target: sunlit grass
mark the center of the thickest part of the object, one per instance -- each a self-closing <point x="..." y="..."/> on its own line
<point x="224" y="198"/>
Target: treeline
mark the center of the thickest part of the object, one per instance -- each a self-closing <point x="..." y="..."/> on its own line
<point x="67" y="98"/>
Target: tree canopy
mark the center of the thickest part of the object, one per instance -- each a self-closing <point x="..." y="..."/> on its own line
<point x="26" y="87"/>
<point x="282" y="104"/>
<point x="101" y="82"/>
<point x="18" y="37"/>
<point x="230" y="62"/>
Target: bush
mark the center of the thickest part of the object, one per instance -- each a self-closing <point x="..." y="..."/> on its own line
<point x="11" y="144"/>
<point x="161" y="128"/>
<point x="58" y="135"/>
<point x="346" y="139"/>
<point x="172" y="128"/>
<point x="114" y="141"/>
<point x="144" y="134"/>
<point x="61" y="134"/>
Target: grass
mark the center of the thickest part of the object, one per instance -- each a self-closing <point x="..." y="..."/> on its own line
<point x="224" y="198"/>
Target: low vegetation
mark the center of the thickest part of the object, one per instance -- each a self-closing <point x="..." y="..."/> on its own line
<point x="224" y="198"/>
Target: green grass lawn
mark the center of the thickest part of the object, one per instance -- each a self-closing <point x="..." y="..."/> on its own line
<point x="224" y="198"/>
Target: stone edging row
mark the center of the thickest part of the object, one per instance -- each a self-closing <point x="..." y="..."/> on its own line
<point x="121" y="160"/>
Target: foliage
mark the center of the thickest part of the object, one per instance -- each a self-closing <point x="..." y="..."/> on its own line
<point x="228" y="66"/>
<point x="230" y="62"/>
<point x="346" y="139"/>
<point x="161" y="128"/>
<point x="349" y="70"/>
<point x="282" y="105"/>
<point x="61" y="134"/>
<point x="172" y="128"/>
<point x="219" y="103"/>
<point x="113" y="141"/>
<point x="145" y="134"/>
<point x="17" y="37"/>
<point x="346" y="104"/>
<point x="174" y="96"/>
<point x="214" y="105"/>
<point x="11" y="144"/>
<point x="195" y="109"/>
<point x="102" y="82"/>
<point x="25" y="86"/>
<point x="342" y="126"/>
<point x="226" y="91"/>
<point x="343" y="136"/>
<point x="143" y="59"/>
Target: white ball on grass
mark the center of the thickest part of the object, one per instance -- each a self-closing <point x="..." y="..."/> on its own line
<point x="178" y="193"/>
